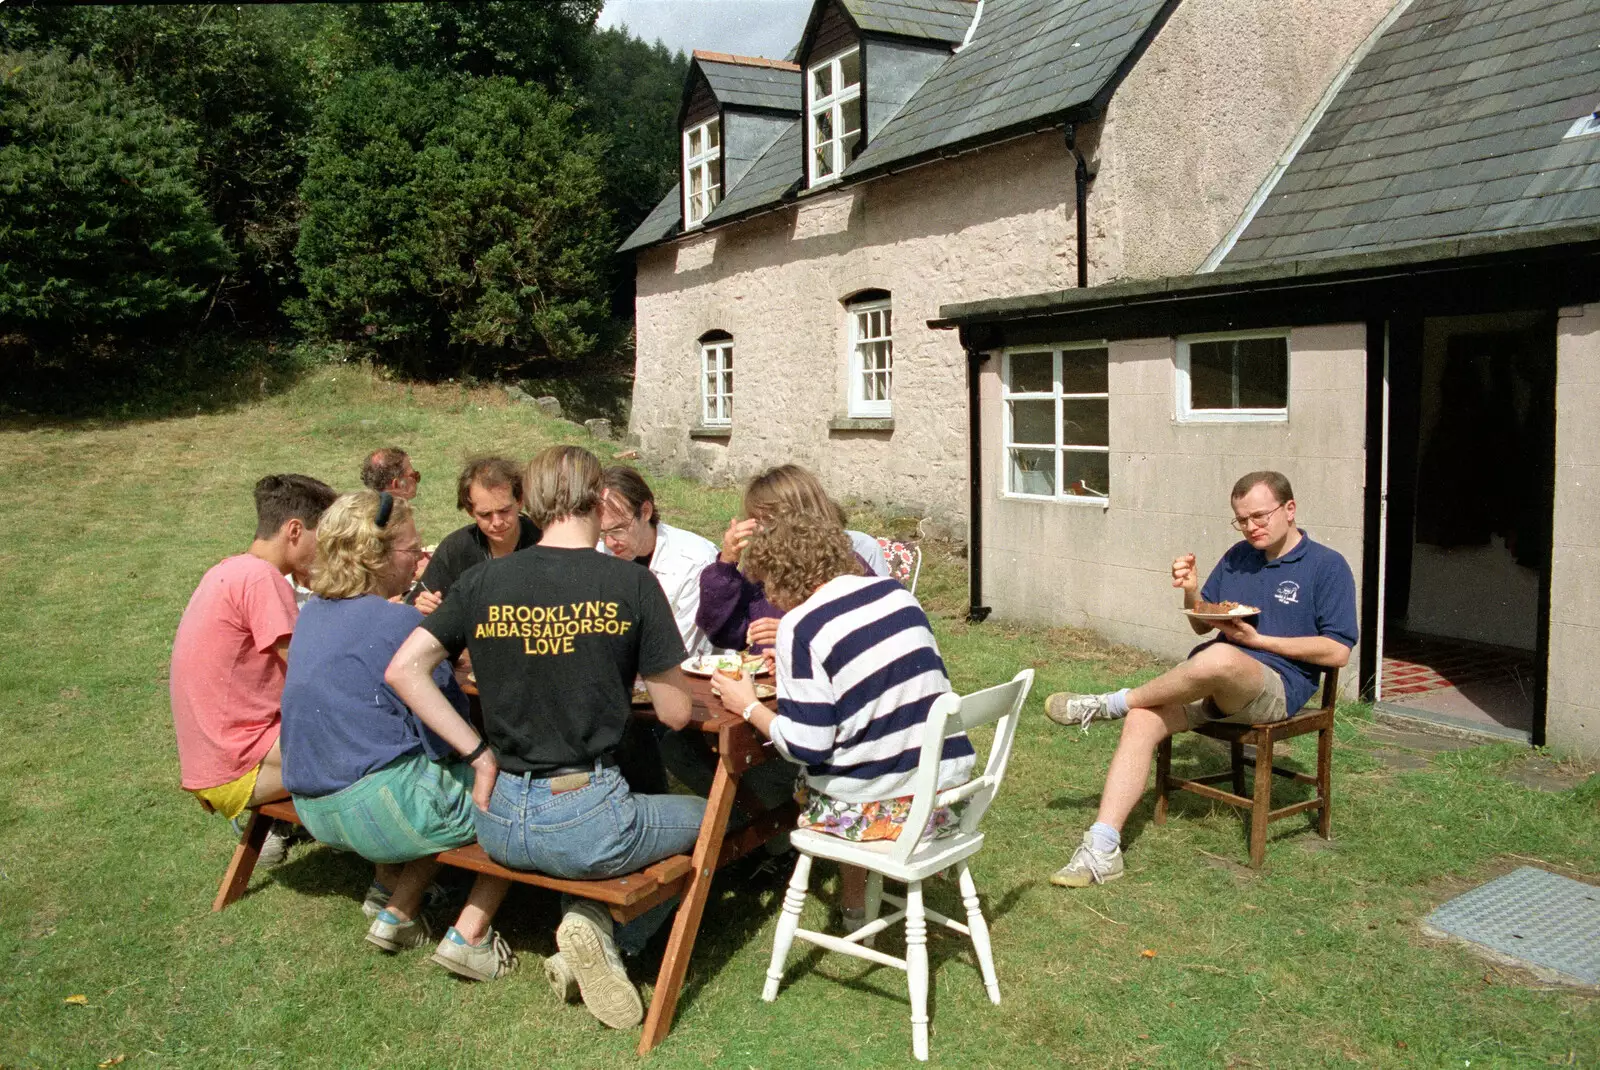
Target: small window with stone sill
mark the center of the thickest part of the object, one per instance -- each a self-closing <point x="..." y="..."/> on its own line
<point x="716" y="379"/>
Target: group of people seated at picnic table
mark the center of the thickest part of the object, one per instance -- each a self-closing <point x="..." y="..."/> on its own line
<point x="346" y="697"/>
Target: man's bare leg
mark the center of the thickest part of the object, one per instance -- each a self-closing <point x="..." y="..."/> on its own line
<point x="484" y="899"/>
<point x="1142" y="732"/>
<point x="406" y="898"/>
<point x="1225" y="674"/>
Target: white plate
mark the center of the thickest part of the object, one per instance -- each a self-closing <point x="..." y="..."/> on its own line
<point x="1234" y="614"/>
<point x="706" y="664"/>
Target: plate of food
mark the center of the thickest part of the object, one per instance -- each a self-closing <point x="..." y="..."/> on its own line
<point x="1215" y="611"/>
<point x="706" y="664"/>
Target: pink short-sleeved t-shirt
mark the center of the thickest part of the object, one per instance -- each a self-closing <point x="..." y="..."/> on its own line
<point x="226" y="678"/>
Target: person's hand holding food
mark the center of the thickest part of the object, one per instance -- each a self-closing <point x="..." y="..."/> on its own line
<point x="1184" y="575"/>
<point x="736" y="538"/>
<point x="737" y="691"/>
<point x="763" y="632"/>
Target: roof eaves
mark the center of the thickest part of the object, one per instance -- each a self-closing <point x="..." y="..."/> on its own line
<point x="1288" y="273"/>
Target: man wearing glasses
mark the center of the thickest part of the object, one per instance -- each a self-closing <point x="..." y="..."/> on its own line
<point x="1261" y="669"/>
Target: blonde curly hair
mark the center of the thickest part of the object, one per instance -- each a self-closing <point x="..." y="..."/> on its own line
<point x="352" y="551"/>
<point x="795" y="553"/>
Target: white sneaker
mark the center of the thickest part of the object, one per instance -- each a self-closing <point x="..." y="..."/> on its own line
<point x="563" y="982"/>
<point x="584" y="938"/>
<point x="393" y="935"/>
<point x="1089" y="866"/>
<point x="1065" y="708"/>
<point x="275" y="851"/>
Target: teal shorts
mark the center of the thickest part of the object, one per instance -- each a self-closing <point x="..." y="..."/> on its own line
<point x="410" y="808"/>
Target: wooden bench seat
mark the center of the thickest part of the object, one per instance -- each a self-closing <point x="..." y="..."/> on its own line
<point x="626" y="897"/>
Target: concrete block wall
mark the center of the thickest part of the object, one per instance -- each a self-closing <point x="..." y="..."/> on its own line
<point x="1572" y="717"/>
<point x="1063" y="562"/>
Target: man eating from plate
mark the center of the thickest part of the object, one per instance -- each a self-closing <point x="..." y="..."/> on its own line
<point x="1262" y="668"/>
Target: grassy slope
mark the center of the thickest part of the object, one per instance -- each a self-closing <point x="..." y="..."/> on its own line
<point x="107" y="870"/>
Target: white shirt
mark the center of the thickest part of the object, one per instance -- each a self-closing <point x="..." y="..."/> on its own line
<point x="680" y="556"/>
<point x="870" y="551"/>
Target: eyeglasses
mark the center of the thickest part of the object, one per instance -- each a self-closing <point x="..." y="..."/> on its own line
<point x="616" y="532"/>
<point x="414" y="475"/>
<point x="1254" y="520"/>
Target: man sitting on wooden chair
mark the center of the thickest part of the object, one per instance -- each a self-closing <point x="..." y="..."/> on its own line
<point x="1254" y="673"/>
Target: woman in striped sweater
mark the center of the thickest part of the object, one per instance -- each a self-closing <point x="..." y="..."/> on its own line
<point x="858" y="670"/>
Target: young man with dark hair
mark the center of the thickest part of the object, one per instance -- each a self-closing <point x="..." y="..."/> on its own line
<point x="1255" y="673"/>
<point x="490" y="491"/>
<point x="391" y="469"/>
<point x="631" y="528"/>
<point x="557" y="635"/>
<point x="229" y="656"/>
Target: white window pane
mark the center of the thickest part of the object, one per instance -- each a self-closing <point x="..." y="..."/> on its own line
<point x="887" y="329"/>
<point x="696" y="180"/>
<point x="1033" y="472"/>
<point x="850" y="68"/>
<point x="850" y="116"/>
<point x="822" y="81"/>
<point x="1086" y="474"/>
<point x="1032" y="373"/>
<point x="1083" y="371"/>
<point x="713" y="134"/>
<point x="694" y="142"/>
<point x="1033" y="421"/>
<point x="822" y="127"/>
<point x="1085" y="423"/>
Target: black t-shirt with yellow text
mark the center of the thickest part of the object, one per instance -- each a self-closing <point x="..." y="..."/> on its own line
<point x="557" y="637"/>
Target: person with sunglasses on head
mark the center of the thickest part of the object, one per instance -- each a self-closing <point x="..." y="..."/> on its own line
<point x="490" y="491"/>
<point x="365" y="774"/>
<point x="1260" y="669"/>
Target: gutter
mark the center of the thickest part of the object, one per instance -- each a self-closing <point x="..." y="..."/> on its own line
<point x="1080" y="174"/>
<point x="977" y="612"/>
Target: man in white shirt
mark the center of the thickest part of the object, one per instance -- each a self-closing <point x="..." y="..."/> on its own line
<point x="631" y="528"/>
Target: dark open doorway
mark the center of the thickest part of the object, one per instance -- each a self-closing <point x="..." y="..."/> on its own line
<point x="1471" y="456"/>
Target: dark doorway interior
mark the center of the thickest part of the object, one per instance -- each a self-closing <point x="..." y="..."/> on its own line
<point x="1471" y="464"/>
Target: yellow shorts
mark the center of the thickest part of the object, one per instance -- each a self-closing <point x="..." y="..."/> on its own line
<point x="229" y="799"/>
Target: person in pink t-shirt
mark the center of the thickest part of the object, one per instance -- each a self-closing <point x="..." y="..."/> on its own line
<point x="229" y="656"/>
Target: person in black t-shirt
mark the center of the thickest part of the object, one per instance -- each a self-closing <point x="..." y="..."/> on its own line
<point x="557" y="634"/>
<point x="490" y="491"/>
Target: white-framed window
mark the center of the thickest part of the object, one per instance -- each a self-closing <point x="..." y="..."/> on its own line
<point x="716" y="382"/>
<point x="1057" y="422"/>
<point x="1242" y="376"/>
<point x="702" y="170"/>
<point x="833" y="115"/>
<point x="871" y="357"/>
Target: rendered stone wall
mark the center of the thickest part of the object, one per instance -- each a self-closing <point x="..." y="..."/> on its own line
<point x="1204" y="116"/>
<point x="992" y="223"/>
<point x="1109" y="569"/>
<point x="1572" y="717"/>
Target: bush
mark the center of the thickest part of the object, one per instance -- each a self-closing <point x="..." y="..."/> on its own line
<point x="452" y="222"/>
<point x="102" y="231"/>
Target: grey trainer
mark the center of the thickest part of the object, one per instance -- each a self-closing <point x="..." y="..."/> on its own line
<point x="398" y="936"/>
<point x="477" y="962"/>
<point x="1089" y="866"/>
<point x="275" y="850"/>
<point x="584" y="938"/>
<point x="563" y="982"/>
<point x="1065" y="708"/>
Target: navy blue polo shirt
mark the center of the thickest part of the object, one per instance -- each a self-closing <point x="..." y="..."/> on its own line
<point x="1307" y="591"/>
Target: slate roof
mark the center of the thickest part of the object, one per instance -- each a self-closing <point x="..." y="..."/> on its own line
<point x="1452" y="126"/>
<point x="747" y="82"/>
<point x="1029" y="62"/>
<point x="936" y="20"/>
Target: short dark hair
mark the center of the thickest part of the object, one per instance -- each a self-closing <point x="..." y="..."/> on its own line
<point x="627" y="484"/>
<point x="1276" y="482"/>
<point x="280" y="499"/>
<point x="489" y="473"/>
<point x="383" y="467"/>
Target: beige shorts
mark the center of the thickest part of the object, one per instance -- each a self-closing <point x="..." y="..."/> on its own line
<point x="1269" y="706"/>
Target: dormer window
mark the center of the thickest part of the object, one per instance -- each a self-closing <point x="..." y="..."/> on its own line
<point x="833" y="115"/>
<point x="702" y="170"/>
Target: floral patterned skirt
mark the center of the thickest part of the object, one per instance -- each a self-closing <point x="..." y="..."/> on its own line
<point x="881" y="819"/>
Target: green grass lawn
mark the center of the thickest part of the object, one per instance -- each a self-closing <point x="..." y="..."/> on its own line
<point x="107" y="869"/>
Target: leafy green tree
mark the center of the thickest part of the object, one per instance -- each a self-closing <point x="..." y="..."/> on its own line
<point x="102" y="229"/>
<point x="453" y="221"/>
<point x="633" y="91"/>
<point x="544" y="43"/>
<point x="238" y="76"/>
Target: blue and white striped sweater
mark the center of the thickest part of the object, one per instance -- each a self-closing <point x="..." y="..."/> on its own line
<point x="858" y="671"/>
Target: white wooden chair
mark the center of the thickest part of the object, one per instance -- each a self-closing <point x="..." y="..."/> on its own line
<point x="913" y="858"/>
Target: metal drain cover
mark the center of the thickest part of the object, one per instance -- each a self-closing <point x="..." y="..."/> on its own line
<point x="1533" y="916"/>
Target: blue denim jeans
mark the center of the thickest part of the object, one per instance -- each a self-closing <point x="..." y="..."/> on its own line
<point x="602" y="830"/>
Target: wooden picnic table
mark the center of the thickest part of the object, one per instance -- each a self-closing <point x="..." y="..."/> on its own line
<point x="738" y="748"/>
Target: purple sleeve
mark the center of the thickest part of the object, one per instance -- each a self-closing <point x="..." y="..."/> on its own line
<point x="725" y="600"/>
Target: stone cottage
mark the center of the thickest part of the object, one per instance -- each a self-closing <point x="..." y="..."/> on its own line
<point x="924" y="153"/>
